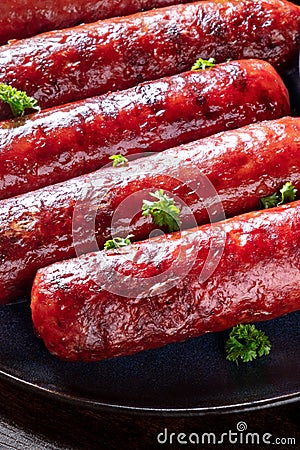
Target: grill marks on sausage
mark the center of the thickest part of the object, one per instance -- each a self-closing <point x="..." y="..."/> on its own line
<point x="272" y="151"/>
<point x="121" y="52"/>
<point x="67" y="141"/>
<point x="257" y="278"/>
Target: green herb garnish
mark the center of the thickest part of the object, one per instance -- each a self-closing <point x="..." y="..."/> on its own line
<point x="285" y="195"/>
<point x="17" y="100"/>
<point x="163" y="211"/>
<point x="246" y="342"/>
<point x="288" y="193"/>
<point x="202" y="64"/>
<point x="118" y="160"/>
<point x="117" y="242"/>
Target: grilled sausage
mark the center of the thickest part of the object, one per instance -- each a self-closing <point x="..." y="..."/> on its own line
<point x="64" y="142"/>
<point x="89" y="309"/>
<point x="24" y="18"/>
<point x="62" y="66"/>
<point x="59" y="221"/>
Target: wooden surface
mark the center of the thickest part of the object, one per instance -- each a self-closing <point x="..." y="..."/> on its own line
<point x="37" y="422"/>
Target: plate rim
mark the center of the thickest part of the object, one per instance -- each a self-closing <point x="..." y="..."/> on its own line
<point x="269" y="399"/>
<point x="149" y="411"/>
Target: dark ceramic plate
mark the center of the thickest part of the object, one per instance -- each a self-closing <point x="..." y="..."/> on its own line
<point x="188" y="378"/>
<point x="191" y="377"/>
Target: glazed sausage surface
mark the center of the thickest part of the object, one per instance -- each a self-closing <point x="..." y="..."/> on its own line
<point x="24" y="18"/>
<point x="64" y="142"/>
<point x="94" y="307"/>
<point x="60" y="221"/>
<point x="63" y="66"/>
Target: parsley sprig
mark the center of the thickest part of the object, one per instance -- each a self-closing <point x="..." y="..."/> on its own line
<point x="203" y="64"/>
<point x="118" y="160"/>
<point x="246" y="342"/>
<point x="17" y="100"/>
<point x="117" y="242"/>
<point x="163" y="211"/>
<point x="285" y="195"/>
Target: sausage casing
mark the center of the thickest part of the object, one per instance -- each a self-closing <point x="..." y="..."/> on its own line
<point x="24" y="18"/>
<point x="57" y="222"/>
<point x="94" y="307"/>
<point x="67" y="141"/>
<point x="63" y="66"/>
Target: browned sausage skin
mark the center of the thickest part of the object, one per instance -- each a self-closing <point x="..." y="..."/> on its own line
<point x="44" y="226"/>
<point x="24" y="18"/>
<point x="75" y="63"/>
<point x="94" y="307"/>
<point x="67" y="141"/>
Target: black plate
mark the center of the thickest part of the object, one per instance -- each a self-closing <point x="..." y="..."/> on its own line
<point x="188" y="378"/>
<point x="191" y="377"/>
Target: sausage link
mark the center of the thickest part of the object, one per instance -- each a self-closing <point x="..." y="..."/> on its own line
<point x="24" y="18"/>
<point x="64" y="142"/>
<point x="63" y="66"/>
<point x="88" y="308"/>
<point x="60" y="221"/>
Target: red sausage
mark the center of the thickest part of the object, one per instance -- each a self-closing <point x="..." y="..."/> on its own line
<point x="67" y="141"/>
<point x="62" y="66"/>
<point x="24" y="18"/>
<point x="48" y="225"/>
<point x="94" y="307"/>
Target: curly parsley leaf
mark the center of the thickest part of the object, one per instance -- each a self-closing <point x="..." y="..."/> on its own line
<point x="117" y="242"/>
<point x="270" y="201"/>
<point x="17" y="100"/>
<point x="288" y="193"/>
<point x="203" y="64"/>
<point x="285" y="195"/>
<point x="118" y="160"/>
<point x="245" y="343"/>
<point x="163" y="211"/>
